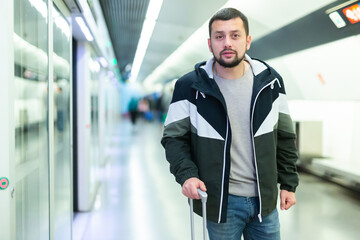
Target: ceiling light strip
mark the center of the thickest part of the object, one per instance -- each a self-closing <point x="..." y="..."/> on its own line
<point x="340" y="6"/>
<point x="146" y="33"/>
<point x="80" y="21"/>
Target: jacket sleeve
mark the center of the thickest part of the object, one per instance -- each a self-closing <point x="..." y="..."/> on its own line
<point x="286" y="148"/>
<point x="177" y="137"/>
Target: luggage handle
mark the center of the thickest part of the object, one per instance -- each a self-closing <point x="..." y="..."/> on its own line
<point x="203" y="195"/>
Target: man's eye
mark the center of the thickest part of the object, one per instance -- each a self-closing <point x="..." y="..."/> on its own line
<point x="236" y="35"/>
<point x="219" y="37"/>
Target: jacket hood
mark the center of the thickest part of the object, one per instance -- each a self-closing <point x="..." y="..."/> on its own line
<point x="205" y="83"/>
<point x="257" y="66"/>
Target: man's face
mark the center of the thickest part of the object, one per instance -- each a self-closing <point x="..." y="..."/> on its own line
<point x="228" y="42"/>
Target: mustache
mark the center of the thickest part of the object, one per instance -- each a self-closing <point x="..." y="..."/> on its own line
<point x="228" y="49"/>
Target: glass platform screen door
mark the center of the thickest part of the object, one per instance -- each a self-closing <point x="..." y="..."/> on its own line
<point x="29" y="117"/>
<point x="7" y="141"/>
<point x="24" y="130"/>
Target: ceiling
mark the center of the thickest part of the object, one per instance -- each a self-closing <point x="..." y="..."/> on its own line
<point x="124" y="19"/>
<point x="177" y="20"/>
<point x="262" y="22"/>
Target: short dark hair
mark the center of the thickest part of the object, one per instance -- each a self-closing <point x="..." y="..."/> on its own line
<point x="227" y="14"/>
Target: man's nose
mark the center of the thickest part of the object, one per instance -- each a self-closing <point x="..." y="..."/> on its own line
<point x="228" y="42"/>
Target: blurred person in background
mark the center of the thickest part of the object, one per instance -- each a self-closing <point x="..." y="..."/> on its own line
<point x="159" y="108"/>
<point x="144" y="108"/>
<point x="61" y="108"/>
<point x="228" y="132"/>
<point x="133" y="109"/>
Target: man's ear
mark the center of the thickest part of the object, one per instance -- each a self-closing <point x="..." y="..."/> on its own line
<point x="248" y="42"/>
<point x="209" y="44"/>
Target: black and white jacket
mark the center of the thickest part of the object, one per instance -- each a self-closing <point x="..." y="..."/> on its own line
<point x="197" y="137"/>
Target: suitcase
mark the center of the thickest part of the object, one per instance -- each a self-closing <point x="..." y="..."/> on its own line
<point x="203" y="195"/>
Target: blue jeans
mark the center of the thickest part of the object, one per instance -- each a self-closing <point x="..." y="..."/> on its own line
<point x="242" y="220"/>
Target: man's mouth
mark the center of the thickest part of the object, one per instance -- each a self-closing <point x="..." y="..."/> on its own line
<point x="228" y="53"/>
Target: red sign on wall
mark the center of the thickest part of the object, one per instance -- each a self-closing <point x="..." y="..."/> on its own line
<point x="353" y="13"/>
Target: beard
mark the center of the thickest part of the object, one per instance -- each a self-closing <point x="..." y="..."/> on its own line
<point x="231" y="64"/>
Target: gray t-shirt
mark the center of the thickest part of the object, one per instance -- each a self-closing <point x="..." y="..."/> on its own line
<point x="237" y="94"/>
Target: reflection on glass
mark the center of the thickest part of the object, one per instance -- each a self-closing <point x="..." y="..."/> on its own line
<point x="62" y="151"/>
<point x="30" y="114"/>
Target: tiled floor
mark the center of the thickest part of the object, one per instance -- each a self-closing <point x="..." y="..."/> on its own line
<point x="139" y="199"/>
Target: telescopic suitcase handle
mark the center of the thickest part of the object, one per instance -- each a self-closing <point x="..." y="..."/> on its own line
<point x="203" y="195"/>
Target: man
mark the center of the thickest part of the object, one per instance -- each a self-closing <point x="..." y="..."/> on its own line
<point x="228" y="132"/>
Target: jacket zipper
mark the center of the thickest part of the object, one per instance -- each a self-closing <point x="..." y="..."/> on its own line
<point x="224" y="158"/>
<point x="223" y="174"/>
<point x="271" y="84"/>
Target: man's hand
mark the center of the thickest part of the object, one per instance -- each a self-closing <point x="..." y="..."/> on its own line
<point x="190" y="186"/>
<point x="287" y="199"/>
